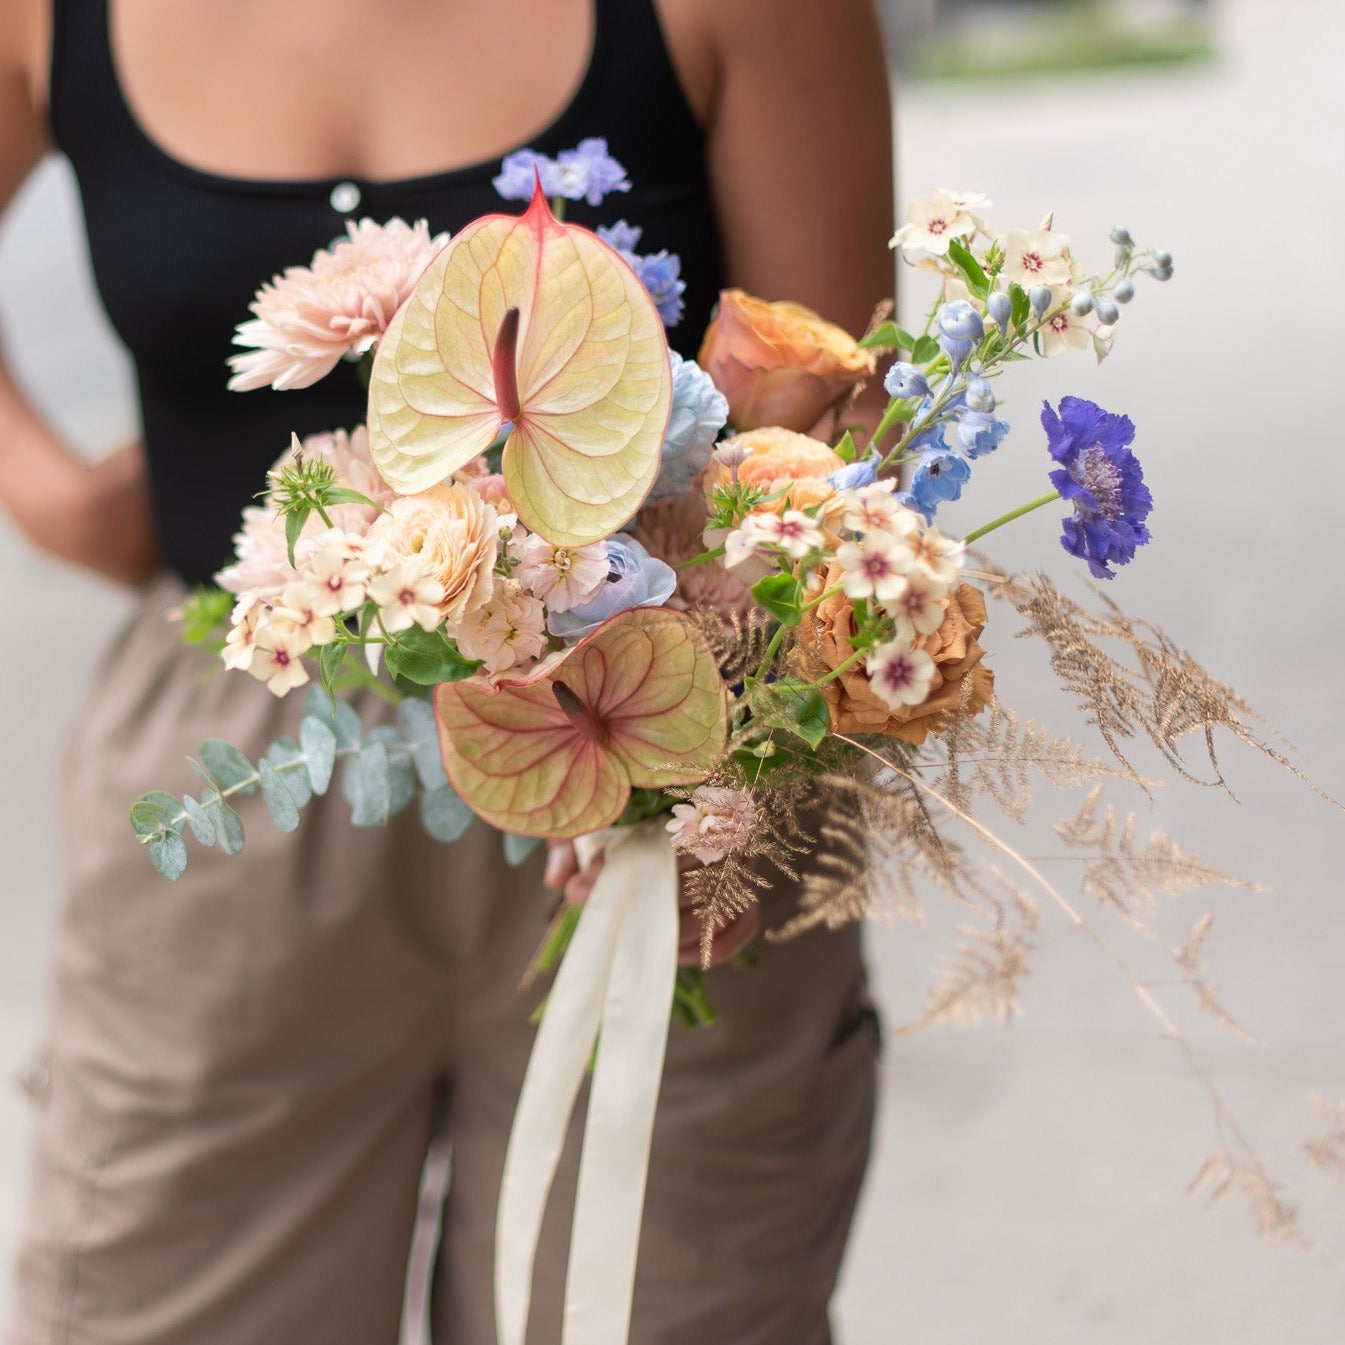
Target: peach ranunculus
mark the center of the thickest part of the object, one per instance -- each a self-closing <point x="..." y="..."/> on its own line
<point x="671" y="529"/>
<point x="824" y="644"/>
<point x="306" y="320"/>
<point x="453" y="534"/>
<point x="779" y="363"/>
<point x="778" y="459"/>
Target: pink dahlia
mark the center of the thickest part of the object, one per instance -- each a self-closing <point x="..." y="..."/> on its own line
<point x="308" y="318"/>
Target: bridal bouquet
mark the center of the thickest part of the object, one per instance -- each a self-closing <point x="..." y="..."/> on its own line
<point x="690" y="607"/>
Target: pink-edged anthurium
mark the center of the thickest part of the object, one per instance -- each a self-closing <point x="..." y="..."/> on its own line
<point x="524" y="320"/>
<point x="556" y="751"/>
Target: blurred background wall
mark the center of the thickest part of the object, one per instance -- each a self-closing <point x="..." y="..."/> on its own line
<point x="1028" y="1183"/>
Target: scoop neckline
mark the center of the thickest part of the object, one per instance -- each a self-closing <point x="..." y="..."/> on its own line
<point x="556" y="129"/>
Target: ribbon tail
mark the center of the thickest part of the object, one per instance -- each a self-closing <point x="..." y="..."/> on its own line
<point x="614" y="1162"/>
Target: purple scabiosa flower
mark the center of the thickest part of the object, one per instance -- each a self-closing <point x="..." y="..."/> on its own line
<point x="588" y="172"/>
<point x="636" y="579"/>
<point x="1102" y="478"/>
<point x="699" y="412"/>
<point x="939" y="476"/>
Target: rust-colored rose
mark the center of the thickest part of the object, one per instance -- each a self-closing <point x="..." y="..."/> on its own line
<point x="824" y="644"/>
<point x="779" y="363"/>
<point x="779" y="459"/>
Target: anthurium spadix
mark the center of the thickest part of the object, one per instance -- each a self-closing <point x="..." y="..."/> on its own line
<point x="526" y="320"/>
<point x="556" y="751"/>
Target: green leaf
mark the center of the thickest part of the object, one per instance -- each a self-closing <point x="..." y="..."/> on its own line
<point x="280" y="754"/>
<point x="318" y="742"/>
<point x="401" y="775"/>
<point x="204" y="611"/>
<point x="330" y="658"/>
<point x="294" y="525"/>
<point x="1020" y="304"/>
<point x="279" y="801"/>
<point x="228" y="825"/>
<point x="155" y="812"/>
<point x="801" y="710"/>
<point x="444" y="814"/>
<point x="201" y="825"/>
<point x="888" y="336"/>
<point x="367" y="786"/>
<point x="845" y="450"/>
<point x="417" y="720"/>
<point x="228" y="765"/>
<point x="169" y="854"/>
<point x="960" y="255"/>
<point x="427" y="658"/>
<point x="344" y="495"/>
<point x="924" y="350"/>
<point x="518" y="848"/>
<point x="781" y="596"/>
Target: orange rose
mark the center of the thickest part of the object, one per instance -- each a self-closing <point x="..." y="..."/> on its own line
<point x="855" y="708"/>
<point x="780" y="460"/>
<point x="779" y="363"/>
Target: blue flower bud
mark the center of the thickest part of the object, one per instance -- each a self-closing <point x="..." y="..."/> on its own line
<point x="905" y="380"/>
<point x="979" y="432"/>
<point x="1107" y="311"/>
<point x="980" y="395"/>
<point x="1081" y="302"/>
<point x="1124" y="291"/>
<point x="1039" y="296"/>
<point x="961" y="330"/>
<point x="1121" y="237"/>
<point x="1000" y="308"/>
<point x="1162" y="259"/>
<point x="1123" y="255"/>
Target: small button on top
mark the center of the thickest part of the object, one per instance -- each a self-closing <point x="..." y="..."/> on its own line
<point x="345" y="197"/>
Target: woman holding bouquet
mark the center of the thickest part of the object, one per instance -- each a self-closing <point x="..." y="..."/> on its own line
<point x="246" y="1071"/>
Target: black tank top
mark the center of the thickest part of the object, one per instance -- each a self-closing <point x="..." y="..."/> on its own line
<point x="178" y="253"/>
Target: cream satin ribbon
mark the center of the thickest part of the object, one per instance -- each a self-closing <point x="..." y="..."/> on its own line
<point x="615" y="987"/>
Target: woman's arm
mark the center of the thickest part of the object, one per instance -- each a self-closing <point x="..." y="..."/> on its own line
<point x="96" y="515"/>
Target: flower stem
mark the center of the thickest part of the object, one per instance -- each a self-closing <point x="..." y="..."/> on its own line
<point x="1010" y="516"/>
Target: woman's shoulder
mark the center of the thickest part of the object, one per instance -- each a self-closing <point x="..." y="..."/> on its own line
<point x="25" y="44"/>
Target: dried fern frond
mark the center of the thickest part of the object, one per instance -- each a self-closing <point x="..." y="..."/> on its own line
<point x="979" y="978"/>
<point x="1222" y="1173"/>
<point x="737" y="639"/>
<point x="1327" y="1153"/>
<point x="1195" y="973"/>
<point x="1130" y="879"/>
<point x="994" y="755"/>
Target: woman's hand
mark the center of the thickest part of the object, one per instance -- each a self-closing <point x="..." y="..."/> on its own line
<point x="564" y="875"/>
<point x="94" y="514"/>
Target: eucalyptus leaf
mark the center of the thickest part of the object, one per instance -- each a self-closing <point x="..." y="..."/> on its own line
<point x="169" y="854"/>
<point x="201" y="825"/>
<point x="401" y="775"/>
<point x="338" y="716"/>
<point x="279" y="801"/>
<point x="228" y="825"/>
<point x="444" y="814"/>
<point x="368" y="787"/>
<point x="281" y="754"/>
<point x="422" y="735"/>
<point x="518" y="848"/>
<point x="155" y="812"/>
<point x="319" y="745"/>
<point x="228" y="765"/>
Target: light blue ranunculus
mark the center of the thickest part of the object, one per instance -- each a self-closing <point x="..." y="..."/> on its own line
<point x="699" y="411"/>
<point x="636" y="579"/>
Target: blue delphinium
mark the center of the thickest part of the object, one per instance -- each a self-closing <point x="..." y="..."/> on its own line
<point x="1102" y="478"/>
<point x="636" y="579"/>
<point x="979" y="432"/>
<point x="938" y="476"/>
<point x="905" y="380"/>
<point x="854" y="475"/>
<point x="659" y="272"/>
<point x="961" y="330"/>
<point x="699" y="411"/>
<point x="586" y="173"/>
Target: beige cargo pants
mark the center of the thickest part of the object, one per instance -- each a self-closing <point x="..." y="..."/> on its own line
<point x="246" y="1069"/>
